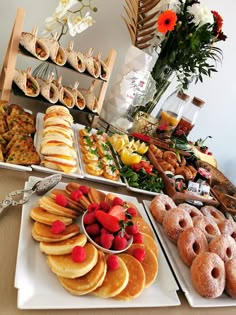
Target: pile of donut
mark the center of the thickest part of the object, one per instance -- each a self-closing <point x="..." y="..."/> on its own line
<point x="206" y="243"/>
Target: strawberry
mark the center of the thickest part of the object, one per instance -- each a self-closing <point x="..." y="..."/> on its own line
<point x="117" y="201"/>
<point x="108" y="221"/>
<point x="118" y="212"/>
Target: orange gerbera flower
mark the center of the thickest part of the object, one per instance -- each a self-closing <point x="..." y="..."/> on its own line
<point x="166" y="21"/>
<point x="218" y="21"/>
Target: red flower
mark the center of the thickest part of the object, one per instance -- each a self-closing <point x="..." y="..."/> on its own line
<point x="166" y="21"/>
<point x="218" y="20"/>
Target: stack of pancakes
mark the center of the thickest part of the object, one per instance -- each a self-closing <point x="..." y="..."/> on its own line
<point x="57" y="145"/>
<point x="91" y="275"/>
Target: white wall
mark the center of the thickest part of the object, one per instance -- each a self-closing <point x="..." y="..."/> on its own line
<point x="217" y="118"/>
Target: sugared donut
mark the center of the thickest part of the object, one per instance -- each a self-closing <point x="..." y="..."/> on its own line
<point x="207" y="225"/>
<point x="208" y="275"/>
<point x="213" y="213"/>
<point x="224" y="246"/>
<point x="159" y="206"/>
<point x="193" y="211"/>
<point x="191" y="243"/>
<point x="228" y="227"/>
<point x="175" y="222"/>
<point x="230" y="273"/>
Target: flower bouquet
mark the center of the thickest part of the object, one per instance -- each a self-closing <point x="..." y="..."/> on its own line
<point x="181" y="34"/>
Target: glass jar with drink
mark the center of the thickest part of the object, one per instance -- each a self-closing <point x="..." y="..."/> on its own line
<point x="189" y="117"/>
<point x="170" y="114"/>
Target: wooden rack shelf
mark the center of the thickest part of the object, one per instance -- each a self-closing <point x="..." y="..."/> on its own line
<point x="9" y="64"/>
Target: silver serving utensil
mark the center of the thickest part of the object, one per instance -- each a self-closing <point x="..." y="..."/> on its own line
<point x="40" y="188"/>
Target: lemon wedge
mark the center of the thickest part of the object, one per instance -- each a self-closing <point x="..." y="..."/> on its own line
<point x="129" y="158"/>
<point x="141" y="148"/>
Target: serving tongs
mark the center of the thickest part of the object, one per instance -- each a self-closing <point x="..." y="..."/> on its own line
<point x="21" y="196"/>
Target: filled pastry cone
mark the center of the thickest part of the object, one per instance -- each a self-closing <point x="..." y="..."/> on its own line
<point x="56" y="52"/>
<point x="75" y="59"/>
<point x="26" y="82"/>
<point x="90" y="98"/>
<point x="65" y="96"/>
<point x="34" y="45"/>
<point x="78" y="96"/>
<point x="104" y="73"/>
<point x="93" y="66"/>
<point x="48" y="90"/>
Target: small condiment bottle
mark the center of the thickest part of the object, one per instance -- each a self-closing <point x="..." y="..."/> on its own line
<point x="170" y="114"/>
<point x="189" y="117"/>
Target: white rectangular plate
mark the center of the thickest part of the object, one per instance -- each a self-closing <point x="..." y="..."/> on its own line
<point x="38" y="287"/>
<point x="15" y="167"/>
<point x="182" y="272"/>
<point x="37" y="141"/>
<point x="99" y="179"/>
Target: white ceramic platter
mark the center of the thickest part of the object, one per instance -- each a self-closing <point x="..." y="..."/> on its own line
<point x="99" y="179"/>
<point x="37" y="141"/>
<point x="182" y="272"/>
<point x="38" y="287"/>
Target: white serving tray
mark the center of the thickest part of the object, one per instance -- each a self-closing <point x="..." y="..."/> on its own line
<point x="37" y="141"/>
<point x="182" y="272"/>
<point x="140" y="191"/>
<point x="38" y="287"/>
<point x="99" y="179"/>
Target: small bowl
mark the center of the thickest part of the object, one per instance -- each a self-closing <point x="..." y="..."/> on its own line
<point x="105" y="250"/>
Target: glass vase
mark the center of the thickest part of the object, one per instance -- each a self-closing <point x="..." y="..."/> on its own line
<point x="162" y="74"/>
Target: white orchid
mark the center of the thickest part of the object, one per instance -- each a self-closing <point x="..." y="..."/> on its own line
<point x="201" y="14"/>
<point x="78" y="24"/>
<point x="69" y="16"/>
<point x="64" y="6"/>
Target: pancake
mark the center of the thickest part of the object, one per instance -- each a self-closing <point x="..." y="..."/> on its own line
<point x="84" y="201"/>
<point x="51" y="206"/>
<point x="40" y="215"/>
<point x="63" y="247"/>
<point x="89" y="282"/>
<point x="96" y="195"/>
<point x="43" y="233"/>
<point x="149" y="264"/>
<point x="136" y="282"/>
<point x="143" y="226"/>
<point x="72" y="204"/>
<point x="149" y="242"/>
<point x="115" y="281"/>
<point x="64" y="266"/>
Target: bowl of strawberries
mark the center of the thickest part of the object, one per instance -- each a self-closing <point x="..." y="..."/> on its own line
<point x="109" y="226"/>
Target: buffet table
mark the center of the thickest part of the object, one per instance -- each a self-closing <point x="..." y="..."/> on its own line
<point x="10" y="221"/>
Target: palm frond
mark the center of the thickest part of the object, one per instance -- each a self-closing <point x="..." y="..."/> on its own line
<point x="140" y="20"/>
